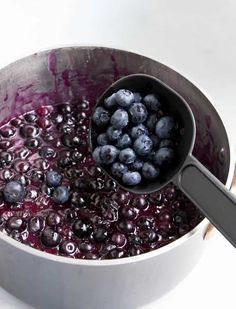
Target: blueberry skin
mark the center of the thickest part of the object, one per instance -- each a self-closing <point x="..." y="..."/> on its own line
<point x="155" y="140"/>
<point x="127" y="156"/>
<point x="149" y="171"/>
<point x="138" y="130"/>
<point x="124" y="141"/>
<point x="151" y="121"/>
<point x="124" y="97"/>
<point x="138" y="113"/>
<point x="136" y="165"/>
<point x="60" y="195"/>
<point x="113" y="133"/>
<point x="102" y="139"/>
<point x="53" y="178"/>
<point x="108" y="154"/>
<point x="131" y="178"/>
<point x="101" y="117"/>
<point x="165" y="127"/>
<point x="143" y="145"/>
<point x="118" y="169"/>
<point x="120" y="119"/>
<point x="152" y="102"/>
<point x="137" y="97"/>
<point x="14" y="192"/>
<point x="97" y="155"/>
<point x="110" y="102"/>
<point x="166" y="143"/>
<point x="164" y="157"/>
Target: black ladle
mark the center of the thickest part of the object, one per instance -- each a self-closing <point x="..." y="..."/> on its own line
<point x="213" y="199"/>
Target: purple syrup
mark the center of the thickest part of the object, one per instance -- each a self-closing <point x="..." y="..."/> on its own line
<point x="100" y="220"/>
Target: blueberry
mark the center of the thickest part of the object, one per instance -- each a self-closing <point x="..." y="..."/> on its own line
<point x="50" y="238"/>
<point x="124" y="141"/>
<point x="16" y="223"/>
<point x="143" y="145"/>
<point x="164" y="157"/>
<point x="53" y="178"/>
<point x="61" y="195"/>
<point x="138" y="130"/>
<point x="151" y="121"/>
<point x="108" y="154"/>
<point x="124" y="97"/>
<point x="137" y="97"/>
<point x="149" y="171"/>
<point x="101" y="117"/>
<point x="127" y="156"/>
<point x="119" y="119"/>
<point x="166" y="143"/>
<point x="148" y="236"/>
<point x="118" y="169"/>
<point x="31" y="118"/>
<point x="82" y="228"/>
<point x="70" y="141"/>
<point x="155" y="140"/>
<point x="77" y="200"/>
<point x="97" y="155"/>
<point x="110" y="102"/>
<point x="53" y="219"/>
<point x="36" y="224"/>
<point x="131" y="178"/>
<point x="6" y="158"/>
<point x="102" y="139"/>
<point x="126" y="226"/>
<point x="136" y="165"/>
<point x="138" y="113"/>
<point x="101" y="234"/>
<point x="14" y="192"/>
<point x="113" y="133"/>
<point x="68" y="247"/>
<point x="152" y="102"/>
<point x="165" y="127"/>
<point x="47" y="152"/>
<point x="32" y="143"/>
<point x="29" y="131"/>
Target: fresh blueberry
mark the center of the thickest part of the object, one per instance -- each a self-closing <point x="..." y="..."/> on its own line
<point x="138" y="113"/>
<point x="61" y="195"/>
<point x="151" y="121"/>
<point x="53" y="178"/>
<point x="131" y="178"/>
<point x="124" y="141"/>
<point x="155" y="140"/>
<point x="149" y="171"/>
<point x="101" y="117"/>
<point x="110" y="102"/>
<point x="137" y="97"/>
<point x="166" y="143"/>
<point x="108" y="154"/>
<point x="138" y="130"/>
<point x="120" y="119"/>
<point x="118" y="169"/>
<point x="14" y="192"/>
<point x="143" y="145"/>
<point x="152" y="102"/>
<point x="97" y="155"/>
<point x="136" y="165"/>
<point x="124" y="97"/>
<point x="165" y="127"/>
<point x="127" y="156"/>
<point x="164" y="157"/>
<point x="102" y="139"/>
<point x="113" y="133"/>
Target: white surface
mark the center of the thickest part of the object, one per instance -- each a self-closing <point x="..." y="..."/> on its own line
<point x="198" y="38"/>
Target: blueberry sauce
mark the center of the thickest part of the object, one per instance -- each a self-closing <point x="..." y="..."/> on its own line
<point x="78" y="211"/>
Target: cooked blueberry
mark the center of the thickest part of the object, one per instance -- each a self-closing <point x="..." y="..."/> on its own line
<point x="164" y="157"/>
<point x="77" y="200"/>
<point x="149" y="171"/>
<point x="119" y="239"/>
<point x="61" y="195"/>
<point x="110" y="102"/>
<point x="102" y="139"/>
<point x="148" y="236"/>
<point x="165" y="127"/>
<point x="138" y="113"/>
<point x="70" y="141"/>
<point x="131" y="178"/>
<point x="108" y="154"/>
<point x="65" y="108"/>
<point x="180" y="218"/>
<point x="76" y="156"/>
<point x="68" y="247"/>
<point x="124" y="141"/>
<point x="46" y="190"/>
<point x="137" y="97"/>
<point x="166" y="143"/>
<point x="64" y="160"/>
<point x="86" y="246"/>
<point x="145" y="223"/>
<point x="14" y="192"/>
<point x="151" y="121"/>
<point x="16" y="223"/>
<point x="6" y="158"/>
<point x="32" y="143"/>
<point x="101" y="234"/>
<point x="101" y="117"/>
<point x="152" y="102"/>
<point x="124" y="97"/>
<point x="47" y="152"/>
<point x="29" y="131"/>
<point x="97" y="155"/>
<point x="53" y="219"/>
<point x="155" y="140"/>
<point x="116" y="254"/>
<point x="31" y="118"/>
<point x="135" y="251"/>
<point x="118" y="169"/>
<point x="113" y="133"/>
<point x="143" y="145"/>
<point x="7" y="131"/>
<point x="119" y="119"/>
<point x="36" y="224"/>
<point x="50" y="238"/>
<point x="126" y="226"/>
<point x="53" y="178"/>
<point x="82" y="228"/>
<point x="138" y="130"/>
<point x="57" y="119"/>
<point x="136" y="165"/>
<point x="127" y="156"/>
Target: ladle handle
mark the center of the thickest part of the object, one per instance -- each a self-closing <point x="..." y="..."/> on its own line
<point x="216" y="202"/>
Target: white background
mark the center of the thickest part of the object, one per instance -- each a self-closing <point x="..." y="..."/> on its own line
<point x="197" y="38"/>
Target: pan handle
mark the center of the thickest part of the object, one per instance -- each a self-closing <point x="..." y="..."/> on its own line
<point x="213" y="199"/>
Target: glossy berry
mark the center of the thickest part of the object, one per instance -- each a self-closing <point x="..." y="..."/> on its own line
<point x="108" y="154"/>
<point x="32" y="143"/>
<point x="113" y="133"/>
<point x="53" y="178"/>
<point x="31" y="118"/>
<point x="36" y="224"/>
<point x="47" y="152"/>
<point x="102" y="139"/>
<point x="131" y="178"/>
<point x="14" y="192"/>
<point x="118" y="169"/>
<point x="138" y="113"/>
<point x="152" y="102"/>
<point x="138" y="130"/>
<point x="119" y="239"/>
<point x="164" y="157"/>
<point x="110" y="102"/>
<point x="7" y="131"/>
<point x="82" y="228"/>
<point x="60" y="195"/>
<point x="165" y="127"/>
<point x="127" y="156"/>
<point x="143" y="145"/>
<point x="148" y="236"/>
<point x="16" y="223"/>
<point x="70" y="141"/>
<point x="120" y="119"/>
<point x="53" y="219"/>
<point x="101" y="234"/>
<point x="68" y="247"/>
<point x="101" y="117"/>
<point x="50" y="238"/>
<point x="6" y="158"/>
<point x="29" y="130"/>
<point x="124" y="141"/>
<point x="124" y="97"/>
<point x="149" y="171"/>
<point x="126" y="226"/>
